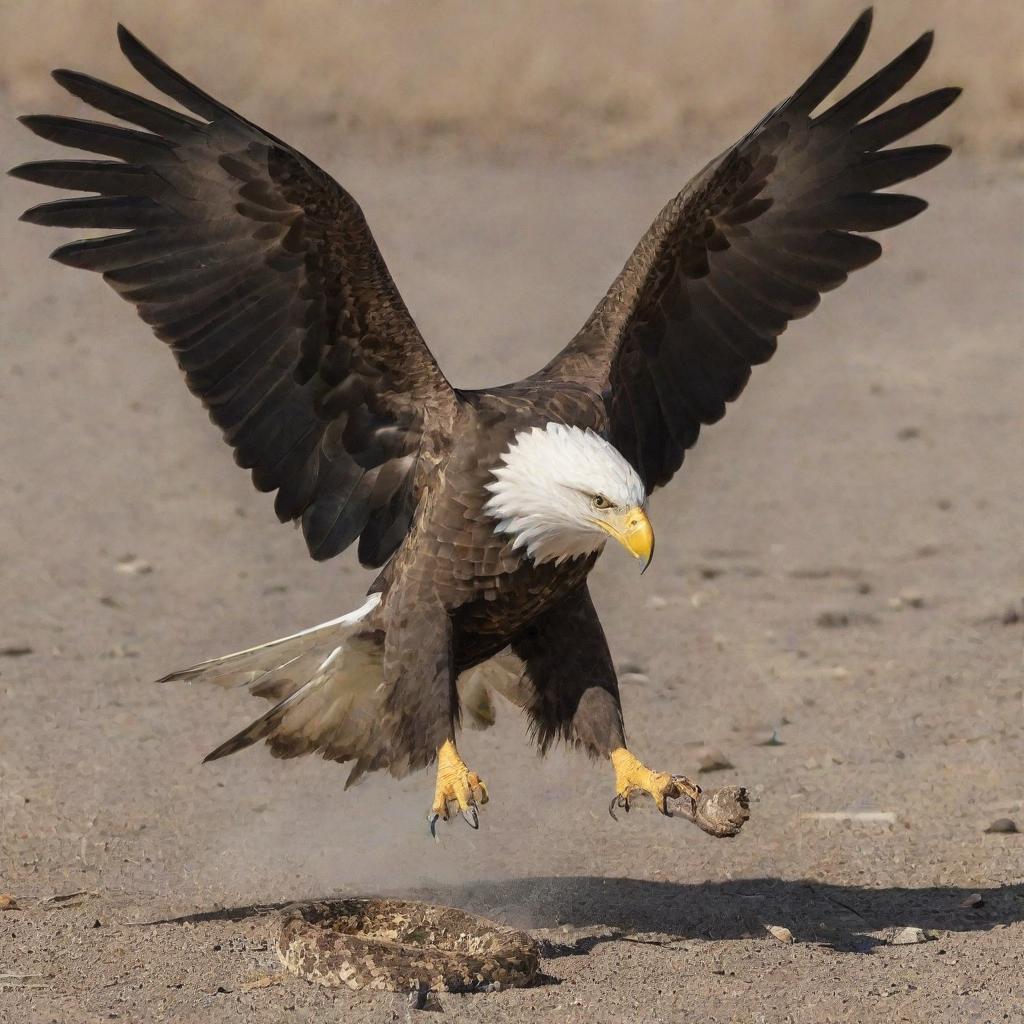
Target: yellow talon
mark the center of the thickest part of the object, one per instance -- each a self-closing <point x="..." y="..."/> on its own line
<point x="632" y="776"/>
<point x="456" y="784"/>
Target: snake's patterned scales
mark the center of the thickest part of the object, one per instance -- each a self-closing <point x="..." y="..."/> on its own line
<point x="399" y="946"/>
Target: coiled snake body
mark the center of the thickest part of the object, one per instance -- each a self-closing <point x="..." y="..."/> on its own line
<point x="401" y="946"/>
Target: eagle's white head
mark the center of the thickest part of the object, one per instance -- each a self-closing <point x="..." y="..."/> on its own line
<point x="561" y="492"/>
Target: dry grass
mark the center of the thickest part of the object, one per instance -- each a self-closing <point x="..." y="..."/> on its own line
<point x="588" y="79"/>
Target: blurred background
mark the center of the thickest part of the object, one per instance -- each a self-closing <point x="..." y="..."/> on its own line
<point x="588" y="79"/>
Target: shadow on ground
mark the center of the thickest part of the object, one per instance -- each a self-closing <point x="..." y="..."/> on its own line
<point x="845" y="917"/>
<point x="848" y="918"/>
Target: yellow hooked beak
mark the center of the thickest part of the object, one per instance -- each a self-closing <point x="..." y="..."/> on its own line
<point x="632" y="529"/>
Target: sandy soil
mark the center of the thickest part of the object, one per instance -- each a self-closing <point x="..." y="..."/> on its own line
<point x="835" y="564"/>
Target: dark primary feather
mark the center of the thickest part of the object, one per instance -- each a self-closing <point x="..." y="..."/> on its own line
<point x="748" y="245"/>
<point x="260" y="273"/>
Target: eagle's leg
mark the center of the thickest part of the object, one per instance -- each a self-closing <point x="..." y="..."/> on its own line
<point x="457" y="785"/>
<point x="632" y="777"/>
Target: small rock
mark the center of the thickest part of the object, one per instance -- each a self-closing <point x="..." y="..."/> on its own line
<point x="912" y="598"/>
<point x="633" y="679"/>
<point x="974" y="900"/>
<point x="1013" y="615"/>
<point x="698" y="599"/>
<point x="838" y="672"/>
<point x="15" y="651"/>
<point x="8" y="902"/>
<point x="840" y="620"/>
<point x="833" y="620"/>
<point x="711" y="759"/>
<point x="1006" y="826"/>
<point x="655" y="602"/>
<point x="132" y="566"/>
<point x="772" y="741"/>
<point x="626" y="668"/>
<point x="909" y="937"/>
<point x="776" y="931"/>
<point x="810" y="764"/>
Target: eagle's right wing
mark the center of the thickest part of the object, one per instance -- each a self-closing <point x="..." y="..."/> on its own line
<point x="747" y="246"/>
<point x="260" y="272"/>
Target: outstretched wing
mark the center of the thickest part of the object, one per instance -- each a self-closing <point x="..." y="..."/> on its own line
<point x="260" y="272"/>
<point x="748" y="245"/>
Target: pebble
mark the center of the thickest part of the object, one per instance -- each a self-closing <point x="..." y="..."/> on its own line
<point x="656" y="602"/>
<point x="1003" y="825"/>
<point x="974" y="900"/>
<point x="711" y="759"/>
<point x="778" y="932"/>
<point x="7" y="901"/>
<point x="15" y="651"/>
<point x="626" y="668"/>
<point x="132" y="566"/>
<point x="633" y="679"/>
<point x="909" y="937"/>
<point x="842" y="619"/>
<point x="833" y="620"/>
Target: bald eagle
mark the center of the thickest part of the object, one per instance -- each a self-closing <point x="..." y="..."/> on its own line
<point x="484" y="510"/>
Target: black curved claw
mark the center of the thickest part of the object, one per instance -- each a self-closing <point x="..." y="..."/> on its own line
<point x="474" y="821"/>
<point x="433" y="820"/>
<point x="618" y="801"/>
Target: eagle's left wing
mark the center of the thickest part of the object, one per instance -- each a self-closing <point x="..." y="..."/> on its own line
<point x="748" y="245"/>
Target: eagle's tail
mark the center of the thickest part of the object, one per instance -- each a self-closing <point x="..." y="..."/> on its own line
<point x="328" y="690"/>
<point x="326" y="685"/>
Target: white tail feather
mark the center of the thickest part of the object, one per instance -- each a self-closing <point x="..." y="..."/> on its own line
<point x="328" y="691"/>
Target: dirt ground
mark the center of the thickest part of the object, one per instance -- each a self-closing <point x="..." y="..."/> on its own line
<point x="835" y="605"/>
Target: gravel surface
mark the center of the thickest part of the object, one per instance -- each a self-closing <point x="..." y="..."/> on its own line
<point x="829" y="615"/>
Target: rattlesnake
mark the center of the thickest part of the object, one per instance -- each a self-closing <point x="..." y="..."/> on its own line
<point x="401" y="946"/>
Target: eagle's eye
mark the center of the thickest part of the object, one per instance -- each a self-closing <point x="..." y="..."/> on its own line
<point x="599" y="501"/>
